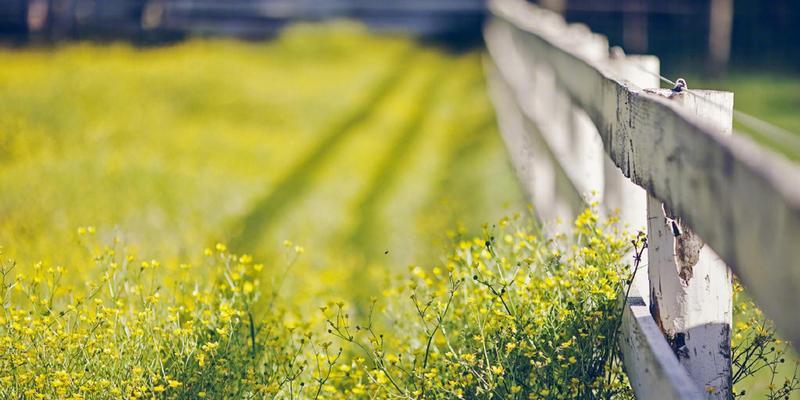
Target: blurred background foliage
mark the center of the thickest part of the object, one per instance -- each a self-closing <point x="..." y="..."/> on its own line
<point x="179" y="147"/>
<point x="748" y="46"/>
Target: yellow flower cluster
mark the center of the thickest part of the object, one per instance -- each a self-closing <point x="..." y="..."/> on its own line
<point x="128" y="334"/>
<point x="512" y="314"/>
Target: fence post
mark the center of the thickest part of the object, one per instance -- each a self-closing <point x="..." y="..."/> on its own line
<point x="690" y="287"/>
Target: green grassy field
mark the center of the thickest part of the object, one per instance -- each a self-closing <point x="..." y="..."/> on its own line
<point x="358" y="153"/>
<point x="364" y="155"/>
<point x="353" y="146"/>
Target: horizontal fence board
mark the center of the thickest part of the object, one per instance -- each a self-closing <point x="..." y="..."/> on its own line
<point x="543" y="180"/>
<point x="741" y="199"/>
<point x="564" y="129"/>
<point x="652" y="368"/>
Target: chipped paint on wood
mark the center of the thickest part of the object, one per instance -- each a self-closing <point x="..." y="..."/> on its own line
<point x="690" y="292"/>
<point x="690" y="287"/>
<point x="687" y="248"/>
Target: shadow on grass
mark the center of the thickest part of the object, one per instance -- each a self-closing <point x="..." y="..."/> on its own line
<point x="263" y="213"/>
<point x="389" y="169"/>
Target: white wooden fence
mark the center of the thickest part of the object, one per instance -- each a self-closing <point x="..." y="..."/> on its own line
<point x="579" y="118"/>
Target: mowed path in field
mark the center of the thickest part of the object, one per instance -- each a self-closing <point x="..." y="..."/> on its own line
<point x="365" y="150"/>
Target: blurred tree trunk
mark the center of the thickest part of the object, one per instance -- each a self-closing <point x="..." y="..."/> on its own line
<point x="634" y="26"/>
<point x="720" y="26"/>
<point x="558" y="6"/>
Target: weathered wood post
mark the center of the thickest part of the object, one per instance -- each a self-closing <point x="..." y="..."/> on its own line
<point x="690" y="287"/>
<point x="635" y="32"/>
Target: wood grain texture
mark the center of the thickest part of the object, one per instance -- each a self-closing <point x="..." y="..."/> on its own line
<point x="741" y="199"/>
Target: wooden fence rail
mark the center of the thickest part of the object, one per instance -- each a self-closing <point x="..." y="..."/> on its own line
<point x="577" y="120"/>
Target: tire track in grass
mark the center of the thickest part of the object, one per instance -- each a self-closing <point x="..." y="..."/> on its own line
<point x="476" y="151"/>
<point x="452" y="120"/>
<point x="362" y="237"/>
<point x="469" y="182"/>
<point x="389" y="168"/>
<point x="474" y="141"/>
<point x="482" y="140"/>
<point x="263" y="213"/>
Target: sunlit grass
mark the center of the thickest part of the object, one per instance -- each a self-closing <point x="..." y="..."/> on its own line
<point x="189" y="138"/>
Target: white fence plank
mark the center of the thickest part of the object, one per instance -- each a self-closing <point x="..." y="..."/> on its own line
<point x="743" y="200"/>
<point x="652" y="368"/>
<point x="566" y="130"/>
<point x="541" y="176"/>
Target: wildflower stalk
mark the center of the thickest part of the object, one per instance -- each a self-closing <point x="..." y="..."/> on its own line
<point x="639" y="246"/>
<point x="440" y="319"/>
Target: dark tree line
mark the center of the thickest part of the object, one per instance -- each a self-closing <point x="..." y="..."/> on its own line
<point x="742" y="33"/>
